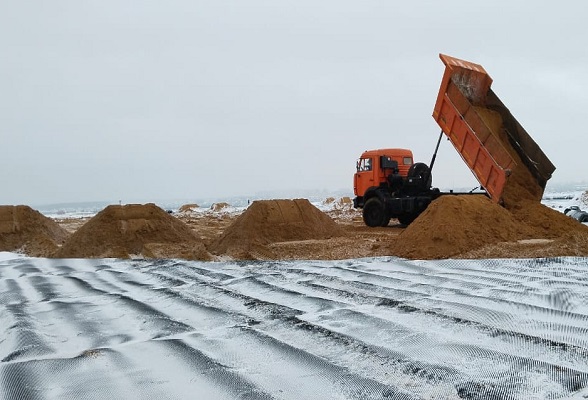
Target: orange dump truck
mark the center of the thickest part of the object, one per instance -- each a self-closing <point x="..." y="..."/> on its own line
<point x="509" y="165"/>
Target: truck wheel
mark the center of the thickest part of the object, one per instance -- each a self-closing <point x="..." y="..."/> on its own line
<point x="406" y="219"/>
<point x="421" y="170"/>
<point x="374" y="213"/>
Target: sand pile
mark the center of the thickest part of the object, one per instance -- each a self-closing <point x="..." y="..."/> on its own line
<point x="219" y="206"/>
<point x="134" y="229"/>
<point x="455" y="225"/>
<point x="272" y="221"/>
<point x="27" y="230"/>
<point x="338" y="204"/>
<point x="187" y="208"/>
<point x="546" y="222"/>
<point x="343" y="203"/>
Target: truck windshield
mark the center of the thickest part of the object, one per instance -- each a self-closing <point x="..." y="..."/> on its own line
<point x="364" y="164"/>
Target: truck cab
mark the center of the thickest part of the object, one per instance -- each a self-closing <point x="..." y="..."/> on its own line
<point x="374" y="167"/>
<point x="389" y="184"/>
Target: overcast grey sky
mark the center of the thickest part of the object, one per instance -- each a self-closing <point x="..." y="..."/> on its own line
<point x="118" y="99"/>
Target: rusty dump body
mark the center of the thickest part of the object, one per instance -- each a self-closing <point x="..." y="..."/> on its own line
<point x="493" y="144"/>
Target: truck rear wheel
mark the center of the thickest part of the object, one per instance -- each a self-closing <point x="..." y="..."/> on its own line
<point x="374" y="213"/>
<point x="406" y="219"/>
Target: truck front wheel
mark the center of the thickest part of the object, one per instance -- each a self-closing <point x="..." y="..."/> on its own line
<point x="374" y="213"/>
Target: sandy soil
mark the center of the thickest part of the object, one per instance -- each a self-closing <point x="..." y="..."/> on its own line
<point x="360" y="241"/>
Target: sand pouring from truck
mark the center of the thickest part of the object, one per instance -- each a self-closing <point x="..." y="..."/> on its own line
<point x="505" y="160"/>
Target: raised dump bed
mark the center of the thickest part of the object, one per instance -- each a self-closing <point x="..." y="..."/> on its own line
<point x="507" y="162"/>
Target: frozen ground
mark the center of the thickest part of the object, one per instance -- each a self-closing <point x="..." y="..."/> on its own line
<point x="354" y="329"/>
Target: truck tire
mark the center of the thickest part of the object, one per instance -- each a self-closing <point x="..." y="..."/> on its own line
<point x="422" y="171"/>
<point x="374" y="213"/>
<point x="406" y="219"/>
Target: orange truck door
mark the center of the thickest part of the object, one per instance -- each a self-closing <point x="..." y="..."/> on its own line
<point x="364" y="175"/>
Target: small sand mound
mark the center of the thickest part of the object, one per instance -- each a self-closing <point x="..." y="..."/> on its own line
<point x="272" y="221"/>
<point x="219" y="206"/>
<point x="188" y="208"/>
<point x="343" y="202"/>
<point x="27" y="230"/>
<point x="121" y="231"/>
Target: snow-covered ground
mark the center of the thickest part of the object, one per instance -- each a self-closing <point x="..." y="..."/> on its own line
<point x="379" y="328"/>
<point x="562" y="200"/>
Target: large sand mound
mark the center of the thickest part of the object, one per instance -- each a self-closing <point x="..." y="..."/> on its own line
<point x="122" y="231"/>
<point x="27" y="230"/>
<point x="454" y="225"/>
<point x="272" y="221"/>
